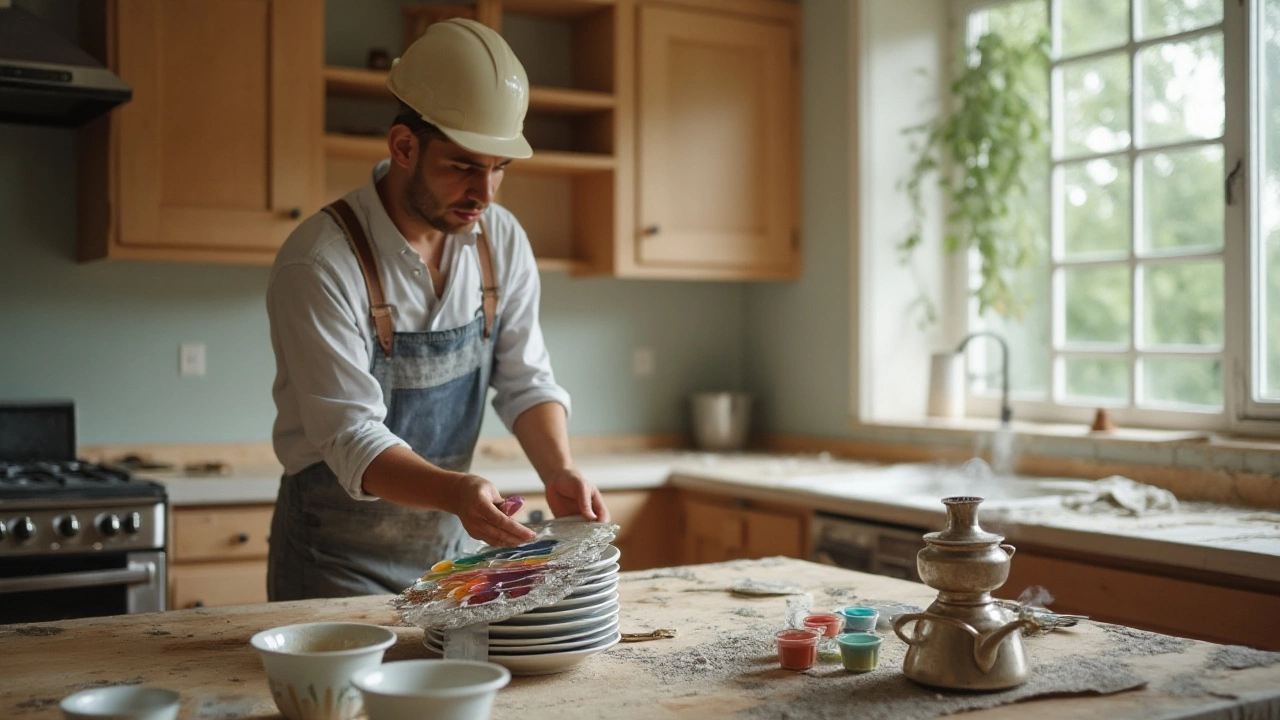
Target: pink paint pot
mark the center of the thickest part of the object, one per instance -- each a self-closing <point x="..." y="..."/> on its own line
<point x="829" y="624"/>
<point x="798" y="648"/>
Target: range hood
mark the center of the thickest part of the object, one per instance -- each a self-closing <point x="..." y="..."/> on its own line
<point x="46" y="80"/>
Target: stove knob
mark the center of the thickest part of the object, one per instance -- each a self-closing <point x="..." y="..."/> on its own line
<point x="24" y="529"/>
<point x="69" y="526"/>
<point x="133" y="523"/>
<point x="109" y="525"/>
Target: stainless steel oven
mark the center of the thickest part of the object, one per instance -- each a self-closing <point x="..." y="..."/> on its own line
<point x="76" y="539"/>
<point x="866" y="546"/>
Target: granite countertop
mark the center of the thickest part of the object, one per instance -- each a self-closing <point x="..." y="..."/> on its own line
<point x="1203" y="536"/>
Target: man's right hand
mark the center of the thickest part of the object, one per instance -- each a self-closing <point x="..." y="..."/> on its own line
<point x="476" y="504"/>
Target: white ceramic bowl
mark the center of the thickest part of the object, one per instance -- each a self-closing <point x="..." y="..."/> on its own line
<point x="121" y="702"/>
<point x="431" y="689"/>
<point x="309" y="666"/>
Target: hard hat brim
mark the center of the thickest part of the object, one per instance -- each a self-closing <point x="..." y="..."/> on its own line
<point x="515" y="147"/>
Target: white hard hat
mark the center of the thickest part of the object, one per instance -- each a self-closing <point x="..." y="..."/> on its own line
<point x="462" y="77"/>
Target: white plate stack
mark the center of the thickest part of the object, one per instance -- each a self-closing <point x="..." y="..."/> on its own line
<point x="554" y="638"/>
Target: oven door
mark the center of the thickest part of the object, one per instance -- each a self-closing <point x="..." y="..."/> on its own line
<point x="44" y="589"/>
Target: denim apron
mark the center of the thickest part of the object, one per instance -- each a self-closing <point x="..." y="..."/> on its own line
<point x="434" y="386"/>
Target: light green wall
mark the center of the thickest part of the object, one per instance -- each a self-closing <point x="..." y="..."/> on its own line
<point x="797" y="358"/>
<point x="106" y="334"/>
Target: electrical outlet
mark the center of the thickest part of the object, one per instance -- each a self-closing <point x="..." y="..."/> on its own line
<point x="643" y="362"/>
<point x="191" y="360"/>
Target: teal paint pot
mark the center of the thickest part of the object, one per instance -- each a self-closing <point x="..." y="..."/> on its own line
<point x="859" y="652"/>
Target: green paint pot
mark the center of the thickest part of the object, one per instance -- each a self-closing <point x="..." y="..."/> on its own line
<point x="859" y="652"/>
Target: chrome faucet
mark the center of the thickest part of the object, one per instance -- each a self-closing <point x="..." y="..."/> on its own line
<point x="1006" y="413"/>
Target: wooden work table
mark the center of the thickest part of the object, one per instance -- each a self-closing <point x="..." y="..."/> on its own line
<point x="719" y="665"/>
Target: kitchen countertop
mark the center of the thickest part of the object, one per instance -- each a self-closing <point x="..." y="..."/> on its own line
<point x="1201" y="536"/>
<point x="721" y="663"/>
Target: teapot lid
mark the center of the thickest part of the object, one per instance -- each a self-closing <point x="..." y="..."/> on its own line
<point x="962" y="524"/>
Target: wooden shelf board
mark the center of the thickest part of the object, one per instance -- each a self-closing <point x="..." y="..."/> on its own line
<point x="557" y="264"/>
<point x="356" y="82"/>
<point x="558" y="9"/>
<point x="372" y="84"/>
<point x="374" y="148"/>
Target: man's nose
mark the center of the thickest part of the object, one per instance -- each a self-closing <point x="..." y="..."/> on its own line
<point x="484" y="187"/>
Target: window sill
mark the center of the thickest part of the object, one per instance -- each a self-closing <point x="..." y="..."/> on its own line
<point x="1052" y="447"/>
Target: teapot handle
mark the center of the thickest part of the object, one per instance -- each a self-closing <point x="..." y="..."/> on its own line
<point x="913" y="617"/>
<point x="1008" y="548"/>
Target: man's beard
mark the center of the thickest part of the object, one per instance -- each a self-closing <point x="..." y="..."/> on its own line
<point x="428" y="208"/>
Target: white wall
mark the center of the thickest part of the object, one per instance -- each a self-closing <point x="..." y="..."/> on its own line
<point x="902" y="60"/>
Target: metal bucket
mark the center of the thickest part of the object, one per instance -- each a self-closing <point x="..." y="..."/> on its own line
<point x="721" y="420"/>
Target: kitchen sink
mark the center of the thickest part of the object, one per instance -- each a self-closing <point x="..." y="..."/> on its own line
<point x="914" y="483"/>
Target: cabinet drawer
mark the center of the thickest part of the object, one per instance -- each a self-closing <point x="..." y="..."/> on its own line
<point x="215" y="584"/>
<point x="226" y="533"/>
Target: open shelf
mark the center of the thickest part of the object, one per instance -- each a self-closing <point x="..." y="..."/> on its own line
<point x="372" y="84"/>
<point x="374" y="148"/>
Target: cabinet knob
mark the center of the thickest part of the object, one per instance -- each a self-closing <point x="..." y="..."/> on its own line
<point x="295" y="213"/>
<point x="652" y="230"/>
<point x="242" y="538"/>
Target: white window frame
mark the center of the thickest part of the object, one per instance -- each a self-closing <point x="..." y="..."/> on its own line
<point x="1240" y="413"/>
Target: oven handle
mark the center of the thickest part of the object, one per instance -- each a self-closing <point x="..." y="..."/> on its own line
<point x="138" y="573"/>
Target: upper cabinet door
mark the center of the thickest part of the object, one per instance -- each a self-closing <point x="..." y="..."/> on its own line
<point x="717" y="152"/>
<point x="220" y="150"/>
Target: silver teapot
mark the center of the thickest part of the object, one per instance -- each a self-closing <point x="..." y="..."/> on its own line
<point x="965" y="640"/>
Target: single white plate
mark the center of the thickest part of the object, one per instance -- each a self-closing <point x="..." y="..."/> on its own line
<point x="589" y="627"/>
<point x="571" y="603"/>
<point x="611" y="571"/>
<point x="537" y="630"/>
<point x="550" y="662"/>
<point x="593" y="588"/>
<point x="608" y="556"/>
<point x="543" y="645"/>
<point x="530" y="618"/>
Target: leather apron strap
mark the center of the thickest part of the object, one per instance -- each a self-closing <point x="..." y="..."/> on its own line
<point x="342" y="213"/>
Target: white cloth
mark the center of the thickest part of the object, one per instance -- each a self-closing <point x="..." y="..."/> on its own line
<point x="328" y="405"/>
<point x="1129" y="496"/>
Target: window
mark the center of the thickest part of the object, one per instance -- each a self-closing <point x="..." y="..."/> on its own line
<point x="1157" y="293"/>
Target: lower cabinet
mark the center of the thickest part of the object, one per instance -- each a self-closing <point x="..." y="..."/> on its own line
<point x="1167" y="600"/>
<point x="718" y="529"/>
<point x="218" y="555"/>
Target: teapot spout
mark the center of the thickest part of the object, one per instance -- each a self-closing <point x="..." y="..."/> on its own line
<point x="987" y="647"/>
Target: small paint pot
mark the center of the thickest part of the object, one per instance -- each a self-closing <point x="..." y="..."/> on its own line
<point x="798" y="648"/>
<point x="859" y="652"/>
<point x="859" y="618"/>
<point x="829" y="624"/>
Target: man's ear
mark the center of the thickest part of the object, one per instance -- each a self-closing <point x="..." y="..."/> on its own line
<point x="404" y="146"/>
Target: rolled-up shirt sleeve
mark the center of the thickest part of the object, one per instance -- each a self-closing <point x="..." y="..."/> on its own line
<point x="522" y="375"/>
<point x="317" y="334"/>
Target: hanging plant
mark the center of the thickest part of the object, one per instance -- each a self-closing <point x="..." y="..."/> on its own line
<point x="986" y="154"/>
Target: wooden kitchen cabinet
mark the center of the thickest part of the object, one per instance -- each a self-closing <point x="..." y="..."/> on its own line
<point x="1160" y="599"/>
<point x="643" y="517"/>
<point x="219" y="153"/>
<point x="718" y="529"/>
<point x="717" y="142"/>
<point x="665" y="135"/>
<point x="218" y="555"/>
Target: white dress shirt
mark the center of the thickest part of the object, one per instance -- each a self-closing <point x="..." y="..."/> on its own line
<point x="329" y="407"/>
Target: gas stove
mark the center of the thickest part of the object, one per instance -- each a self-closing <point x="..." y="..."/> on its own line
<point x="66" y="525"/>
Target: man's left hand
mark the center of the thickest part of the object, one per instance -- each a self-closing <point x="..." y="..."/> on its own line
<point x="568" y="493"/>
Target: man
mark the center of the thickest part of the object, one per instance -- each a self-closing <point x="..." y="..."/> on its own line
<point x="391" y="313"/>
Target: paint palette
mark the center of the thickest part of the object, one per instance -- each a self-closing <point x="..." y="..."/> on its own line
<point x="495" y="583"/>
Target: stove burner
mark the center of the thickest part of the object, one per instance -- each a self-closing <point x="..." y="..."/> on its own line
<point x="67" y="473"/>
<point x="67" y="480"/>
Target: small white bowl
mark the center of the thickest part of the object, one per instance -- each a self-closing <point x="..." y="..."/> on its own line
<point x="431" y="689"/>
<point x="309" y="666"/>
<point x="121" y="702"/>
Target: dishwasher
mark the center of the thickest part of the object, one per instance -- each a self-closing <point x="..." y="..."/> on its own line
<point x="866" y="546"/>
